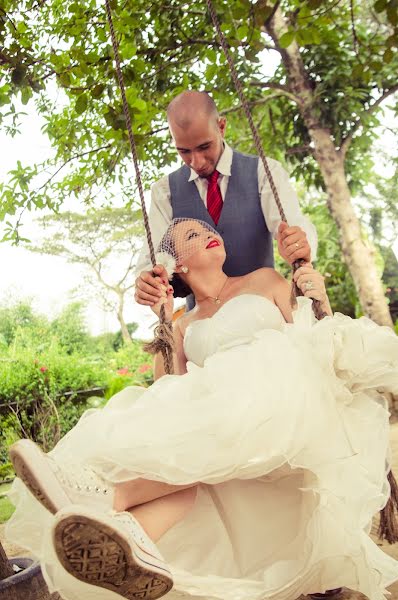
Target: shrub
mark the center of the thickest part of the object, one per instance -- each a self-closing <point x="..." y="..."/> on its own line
<point x="46" y="393"/>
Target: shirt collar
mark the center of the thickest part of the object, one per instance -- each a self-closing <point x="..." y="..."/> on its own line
<point x="223" y="165"/>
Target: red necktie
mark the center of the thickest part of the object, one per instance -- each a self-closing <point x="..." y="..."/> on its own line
<point x="214" y="198"/>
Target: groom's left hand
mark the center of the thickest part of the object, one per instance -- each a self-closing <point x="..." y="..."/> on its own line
<point x="293" y="243"/>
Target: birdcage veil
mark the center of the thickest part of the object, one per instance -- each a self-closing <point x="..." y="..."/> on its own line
<point x="183" y="237"/>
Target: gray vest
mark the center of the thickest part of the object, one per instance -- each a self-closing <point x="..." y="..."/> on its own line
<point x="247" y="240"/>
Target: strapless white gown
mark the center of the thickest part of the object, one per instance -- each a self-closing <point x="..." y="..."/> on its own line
<point x="285" y="426"/>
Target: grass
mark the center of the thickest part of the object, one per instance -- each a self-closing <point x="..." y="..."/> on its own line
<point x="6" y="508"/>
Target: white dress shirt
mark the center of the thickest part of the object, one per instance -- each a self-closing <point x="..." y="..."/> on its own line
<point x="161" y="213"/>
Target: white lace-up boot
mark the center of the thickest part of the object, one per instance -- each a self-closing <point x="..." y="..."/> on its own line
<point x="56" y="486"/>
<point x="111" y="551"/>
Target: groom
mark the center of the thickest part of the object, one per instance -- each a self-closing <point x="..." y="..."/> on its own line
<point x="227" y="189"/>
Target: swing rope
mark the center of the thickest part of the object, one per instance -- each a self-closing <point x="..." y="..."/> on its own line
<point x="163" y="341"/>
<point x="316" y="305"/>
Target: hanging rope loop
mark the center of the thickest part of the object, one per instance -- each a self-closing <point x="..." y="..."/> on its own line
<point x="164" y="343"/>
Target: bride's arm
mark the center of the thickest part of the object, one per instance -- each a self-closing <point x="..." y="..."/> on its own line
<point x="179" y="358"/>
<point x="306" y="274"/>
<point x="281" y="289"/>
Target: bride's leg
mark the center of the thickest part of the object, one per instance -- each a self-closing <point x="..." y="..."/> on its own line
<point x="104" y="539"/>
<point x="140" y="491"/>
<point x="158" y="516"/>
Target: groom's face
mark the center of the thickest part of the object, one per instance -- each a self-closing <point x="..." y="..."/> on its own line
<point x="200" y="144"/>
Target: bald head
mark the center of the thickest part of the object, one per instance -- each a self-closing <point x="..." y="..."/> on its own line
<point x="189" y="106"/>
<point x="197" y="131"/>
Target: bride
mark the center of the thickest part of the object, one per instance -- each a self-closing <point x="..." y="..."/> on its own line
<point x="256" y="469"/>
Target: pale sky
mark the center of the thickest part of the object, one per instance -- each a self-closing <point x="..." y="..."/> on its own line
<point x="49" y="280"/>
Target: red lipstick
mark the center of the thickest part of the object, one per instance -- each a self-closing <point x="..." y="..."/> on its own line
<point x="213" y="244"/>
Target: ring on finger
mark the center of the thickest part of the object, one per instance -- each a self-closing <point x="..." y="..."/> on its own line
<point x="309" y="285"/>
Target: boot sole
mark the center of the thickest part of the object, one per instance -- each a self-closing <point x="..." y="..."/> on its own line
<point x="96" y="554"/>
<point x="30" y="466"/>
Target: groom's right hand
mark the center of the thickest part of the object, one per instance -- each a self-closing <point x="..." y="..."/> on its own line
<point x="150" y="286"/>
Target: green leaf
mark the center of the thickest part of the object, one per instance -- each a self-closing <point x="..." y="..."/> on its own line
<point x="210" y="72"/>
<point x="97" y="90"/>
<point x="380" y="5"/>
<point x="21" y="27"/>
<point x="392" y="14"/>
<point x="357" y="71"/>
<point x="287" y="38"/>
<point x="242" y="32"/>
<point x="388" y="55"/>
<point x="18" y="75"/>
<point x="304" y="36"/>
<point x="26" y="95"/>
<point x="134" y="101"/>
<point x="81" y="104"/>
<point x="65" y="79"/>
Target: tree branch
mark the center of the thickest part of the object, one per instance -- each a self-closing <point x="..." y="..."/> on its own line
<point x="253" y="103"/>
<point x="276" y="86"/>
<point x="299" y="150"/>
<point x="69" y="160"/>
<point x="274" y="9"/>
<point x="353" y="29"/>
<point x="345" y="144"/>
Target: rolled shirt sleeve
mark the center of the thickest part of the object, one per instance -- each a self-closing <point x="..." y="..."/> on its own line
<point x="289" y="201"/>
<point x="160" y="217"/>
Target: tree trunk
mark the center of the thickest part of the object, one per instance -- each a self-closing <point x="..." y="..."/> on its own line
<point x="125" y="332"/>
<point x="5" y="567"/>
<point x="358" y="255"/>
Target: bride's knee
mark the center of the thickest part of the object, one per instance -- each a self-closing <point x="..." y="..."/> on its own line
<point x="188" y="496"/>
<point x="182" y="502"/>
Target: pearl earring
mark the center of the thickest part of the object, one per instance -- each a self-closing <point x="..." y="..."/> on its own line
<point x="184" y="269"/>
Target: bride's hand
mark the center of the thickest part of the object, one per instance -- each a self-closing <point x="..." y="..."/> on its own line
<point x="167" y="299"/>
<point x="311" y="283"/>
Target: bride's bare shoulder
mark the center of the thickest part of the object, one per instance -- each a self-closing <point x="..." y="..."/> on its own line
<point x="266" y="274"/>
<point x="269" y="282"/>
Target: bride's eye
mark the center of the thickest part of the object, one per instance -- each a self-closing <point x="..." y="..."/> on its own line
<point x="192" y="235"/>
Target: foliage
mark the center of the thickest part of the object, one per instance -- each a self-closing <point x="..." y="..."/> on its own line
<point x="118" y="339"/>
<point x="46" y="388"/>
<point x="18" y="316"/>
<point x="70" y="329"/>
<point x="6" y="508"/>
<point x="109" y="342"/>
<point x="40" y="390"/>
<point x="347" y="50"/>
<point x="390" y="279"/>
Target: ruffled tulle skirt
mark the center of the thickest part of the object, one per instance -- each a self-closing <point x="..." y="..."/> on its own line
<point x="288" y="438"/>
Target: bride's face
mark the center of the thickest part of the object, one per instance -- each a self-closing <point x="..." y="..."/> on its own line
<point x="196" y="246"/>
